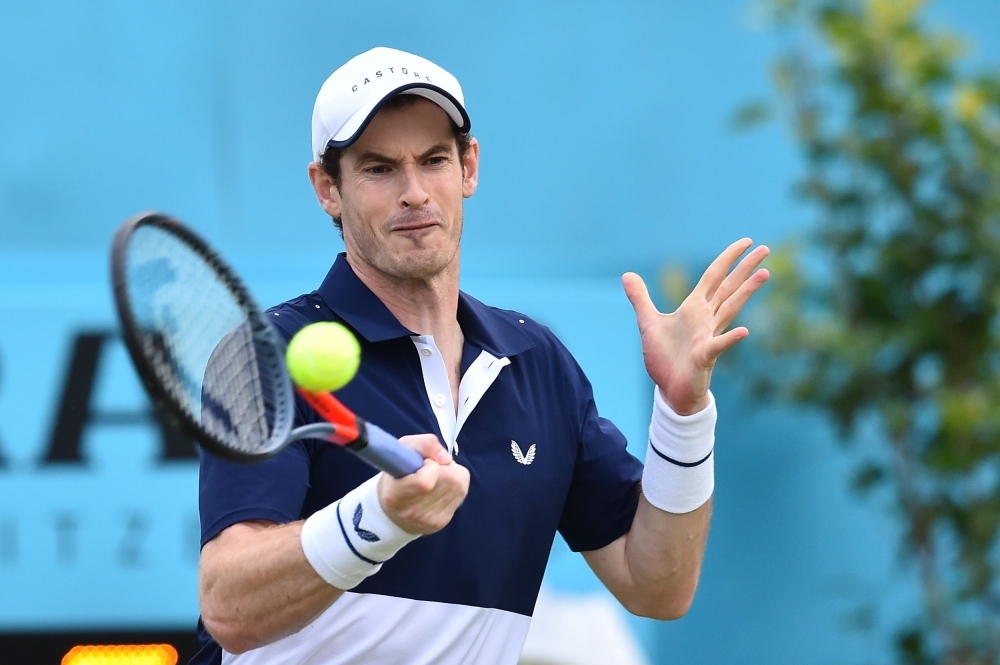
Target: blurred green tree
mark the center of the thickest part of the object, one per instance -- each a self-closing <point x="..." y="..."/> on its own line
<point x="887" y="310"/>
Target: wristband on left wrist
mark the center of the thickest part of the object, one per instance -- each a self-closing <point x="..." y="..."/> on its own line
<point x="679" y="475"/>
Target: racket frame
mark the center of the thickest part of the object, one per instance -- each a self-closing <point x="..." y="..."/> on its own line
<point x="132" y="334"/>
<point x="343" y="428"/>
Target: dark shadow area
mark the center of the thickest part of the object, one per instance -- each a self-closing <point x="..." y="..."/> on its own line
<point x="44" y="648"/>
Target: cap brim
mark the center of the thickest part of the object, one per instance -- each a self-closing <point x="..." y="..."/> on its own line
<point x="354" y="127"/>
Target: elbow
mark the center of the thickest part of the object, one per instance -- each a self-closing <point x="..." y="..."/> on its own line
<point x="237" y="646"/>
<point x="663" y="608"/>
<point x="229" y="636"/>
<point x="227" y="630"/>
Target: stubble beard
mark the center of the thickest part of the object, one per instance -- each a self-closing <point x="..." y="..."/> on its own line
<point x="407" y="264"/>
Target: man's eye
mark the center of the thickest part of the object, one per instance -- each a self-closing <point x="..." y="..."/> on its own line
<point x="378" y="170"/>
<point x="437" y="161"/>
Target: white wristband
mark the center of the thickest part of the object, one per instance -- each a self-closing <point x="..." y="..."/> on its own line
<point x="679" y="475"/>
<point x="350" y="539"/>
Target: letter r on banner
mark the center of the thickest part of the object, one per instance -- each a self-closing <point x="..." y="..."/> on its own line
<point x="75" y="412"/>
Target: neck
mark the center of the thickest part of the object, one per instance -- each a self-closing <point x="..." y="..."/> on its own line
<point x="427" y="306"/>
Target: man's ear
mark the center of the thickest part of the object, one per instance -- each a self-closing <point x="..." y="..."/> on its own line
<point x="470" y="169"/>
<point x="326" y="190"/>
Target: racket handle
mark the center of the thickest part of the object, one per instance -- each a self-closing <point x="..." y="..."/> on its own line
<point x="384" y="451"/>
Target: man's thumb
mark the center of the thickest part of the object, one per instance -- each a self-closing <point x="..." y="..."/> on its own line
<point x="638" y="295"/>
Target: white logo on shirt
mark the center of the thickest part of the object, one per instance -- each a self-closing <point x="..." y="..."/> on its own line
<point x="519" y="456"/>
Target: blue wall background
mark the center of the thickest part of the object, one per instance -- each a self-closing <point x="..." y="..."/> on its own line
<point x="605" y="147"/>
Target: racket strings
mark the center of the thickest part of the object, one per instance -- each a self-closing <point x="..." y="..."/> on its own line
<point x="244" y="416"/>
<point x="215" y="363"/>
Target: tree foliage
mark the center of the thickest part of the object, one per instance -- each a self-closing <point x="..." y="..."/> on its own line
<point x="888" y="310"/>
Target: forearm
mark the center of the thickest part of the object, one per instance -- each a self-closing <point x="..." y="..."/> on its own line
<point x="663" y="556"/>
<point x="261" y="582"/>
<point x="256" y="586"/>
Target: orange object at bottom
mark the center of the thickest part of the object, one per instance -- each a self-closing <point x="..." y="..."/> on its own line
<point x="121" y="654"/>
<point x="338" y="415"/>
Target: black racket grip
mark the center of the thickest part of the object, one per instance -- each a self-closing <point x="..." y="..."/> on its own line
<point x="384" y="451"/>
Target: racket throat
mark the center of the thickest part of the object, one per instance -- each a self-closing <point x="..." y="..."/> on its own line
<point x="360" y="442"/>
<point x="348" y="428"/>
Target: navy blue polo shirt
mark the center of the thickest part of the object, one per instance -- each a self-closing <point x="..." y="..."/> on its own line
<point x="579" y="480"/>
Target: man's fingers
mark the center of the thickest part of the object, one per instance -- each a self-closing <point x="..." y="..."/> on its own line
<point x="427" y="445"/>
<point x="710" y="281"/>
<point x="720" y="344"/>
<point x="732" y="306"/>
<point x="453" y="486"/>
<point x="638" y="295"/>
<point x="425" y="501"/>
<point x="739" y="275"/>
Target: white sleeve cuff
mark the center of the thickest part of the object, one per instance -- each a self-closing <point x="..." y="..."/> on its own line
<point x="679" y="475"/>
<point x="350" y="539"/>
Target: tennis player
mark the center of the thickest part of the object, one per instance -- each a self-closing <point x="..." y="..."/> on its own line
<point x="311" y="557"/>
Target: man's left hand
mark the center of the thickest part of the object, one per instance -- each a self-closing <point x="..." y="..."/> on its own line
<point x="680" y="349"/>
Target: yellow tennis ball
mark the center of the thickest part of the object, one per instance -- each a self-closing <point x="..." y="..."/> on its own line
<point x="323" y="357"/>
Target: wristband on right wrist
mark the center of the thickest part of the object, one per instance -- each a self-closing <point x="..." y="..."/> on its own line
<point x="350" y="539"/>
<point x="679" y="475"/>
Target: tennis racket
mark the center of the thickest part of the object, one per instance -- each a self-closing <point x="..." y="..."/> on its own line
<point x="211" y="361"/>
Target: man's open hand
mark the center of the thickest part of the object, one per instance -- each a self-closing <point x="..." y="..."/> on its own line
<point x="680" y="349"/>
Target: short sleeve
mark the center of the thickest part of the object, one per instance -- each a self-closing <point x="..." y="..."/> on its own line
<point x="604" y="491"/>
<point x="273" y="490"/>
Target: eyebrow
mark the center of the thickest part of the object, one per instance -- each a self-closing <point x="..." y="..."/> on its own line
<point x="378" y="158"/>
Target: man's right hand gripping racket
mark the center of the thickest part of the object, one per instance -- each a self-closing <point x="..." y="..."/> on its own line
<point x="212" y="362"/>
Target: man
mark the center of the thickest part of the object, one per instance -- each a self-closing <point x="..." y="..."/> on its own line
<point x="312" y="557"/>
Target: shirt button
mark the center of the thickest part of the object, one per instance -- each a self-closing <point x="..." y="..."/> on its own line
<point x="426" y="352"/>
<point x="439" y="400"/>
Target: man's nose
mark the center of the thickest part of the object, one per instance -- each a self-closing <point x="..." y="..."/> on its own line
<point x="413" y="194"/>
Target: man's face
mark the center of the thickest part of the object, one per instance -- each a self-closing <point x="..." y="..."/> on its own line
<point x="401" y="192"/>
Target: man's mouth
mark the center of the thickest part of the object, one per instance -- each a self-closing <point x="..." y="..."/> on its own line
<point x="414" y="224"/>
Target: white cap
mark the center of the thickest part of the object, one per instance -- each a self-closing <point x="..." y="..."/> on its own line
<point x="354" y="93"/>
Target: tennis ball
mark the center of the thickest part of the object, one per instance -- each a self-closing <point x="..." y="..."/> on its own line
<point x="323" y="357"/>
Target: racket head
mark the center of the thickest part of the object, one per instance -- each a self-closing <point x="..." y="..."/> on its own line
<point x="208" y="358"/>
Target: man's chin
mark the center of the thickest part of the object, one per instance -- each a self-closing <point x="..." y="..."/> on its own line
<point x="418" y="263"/>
